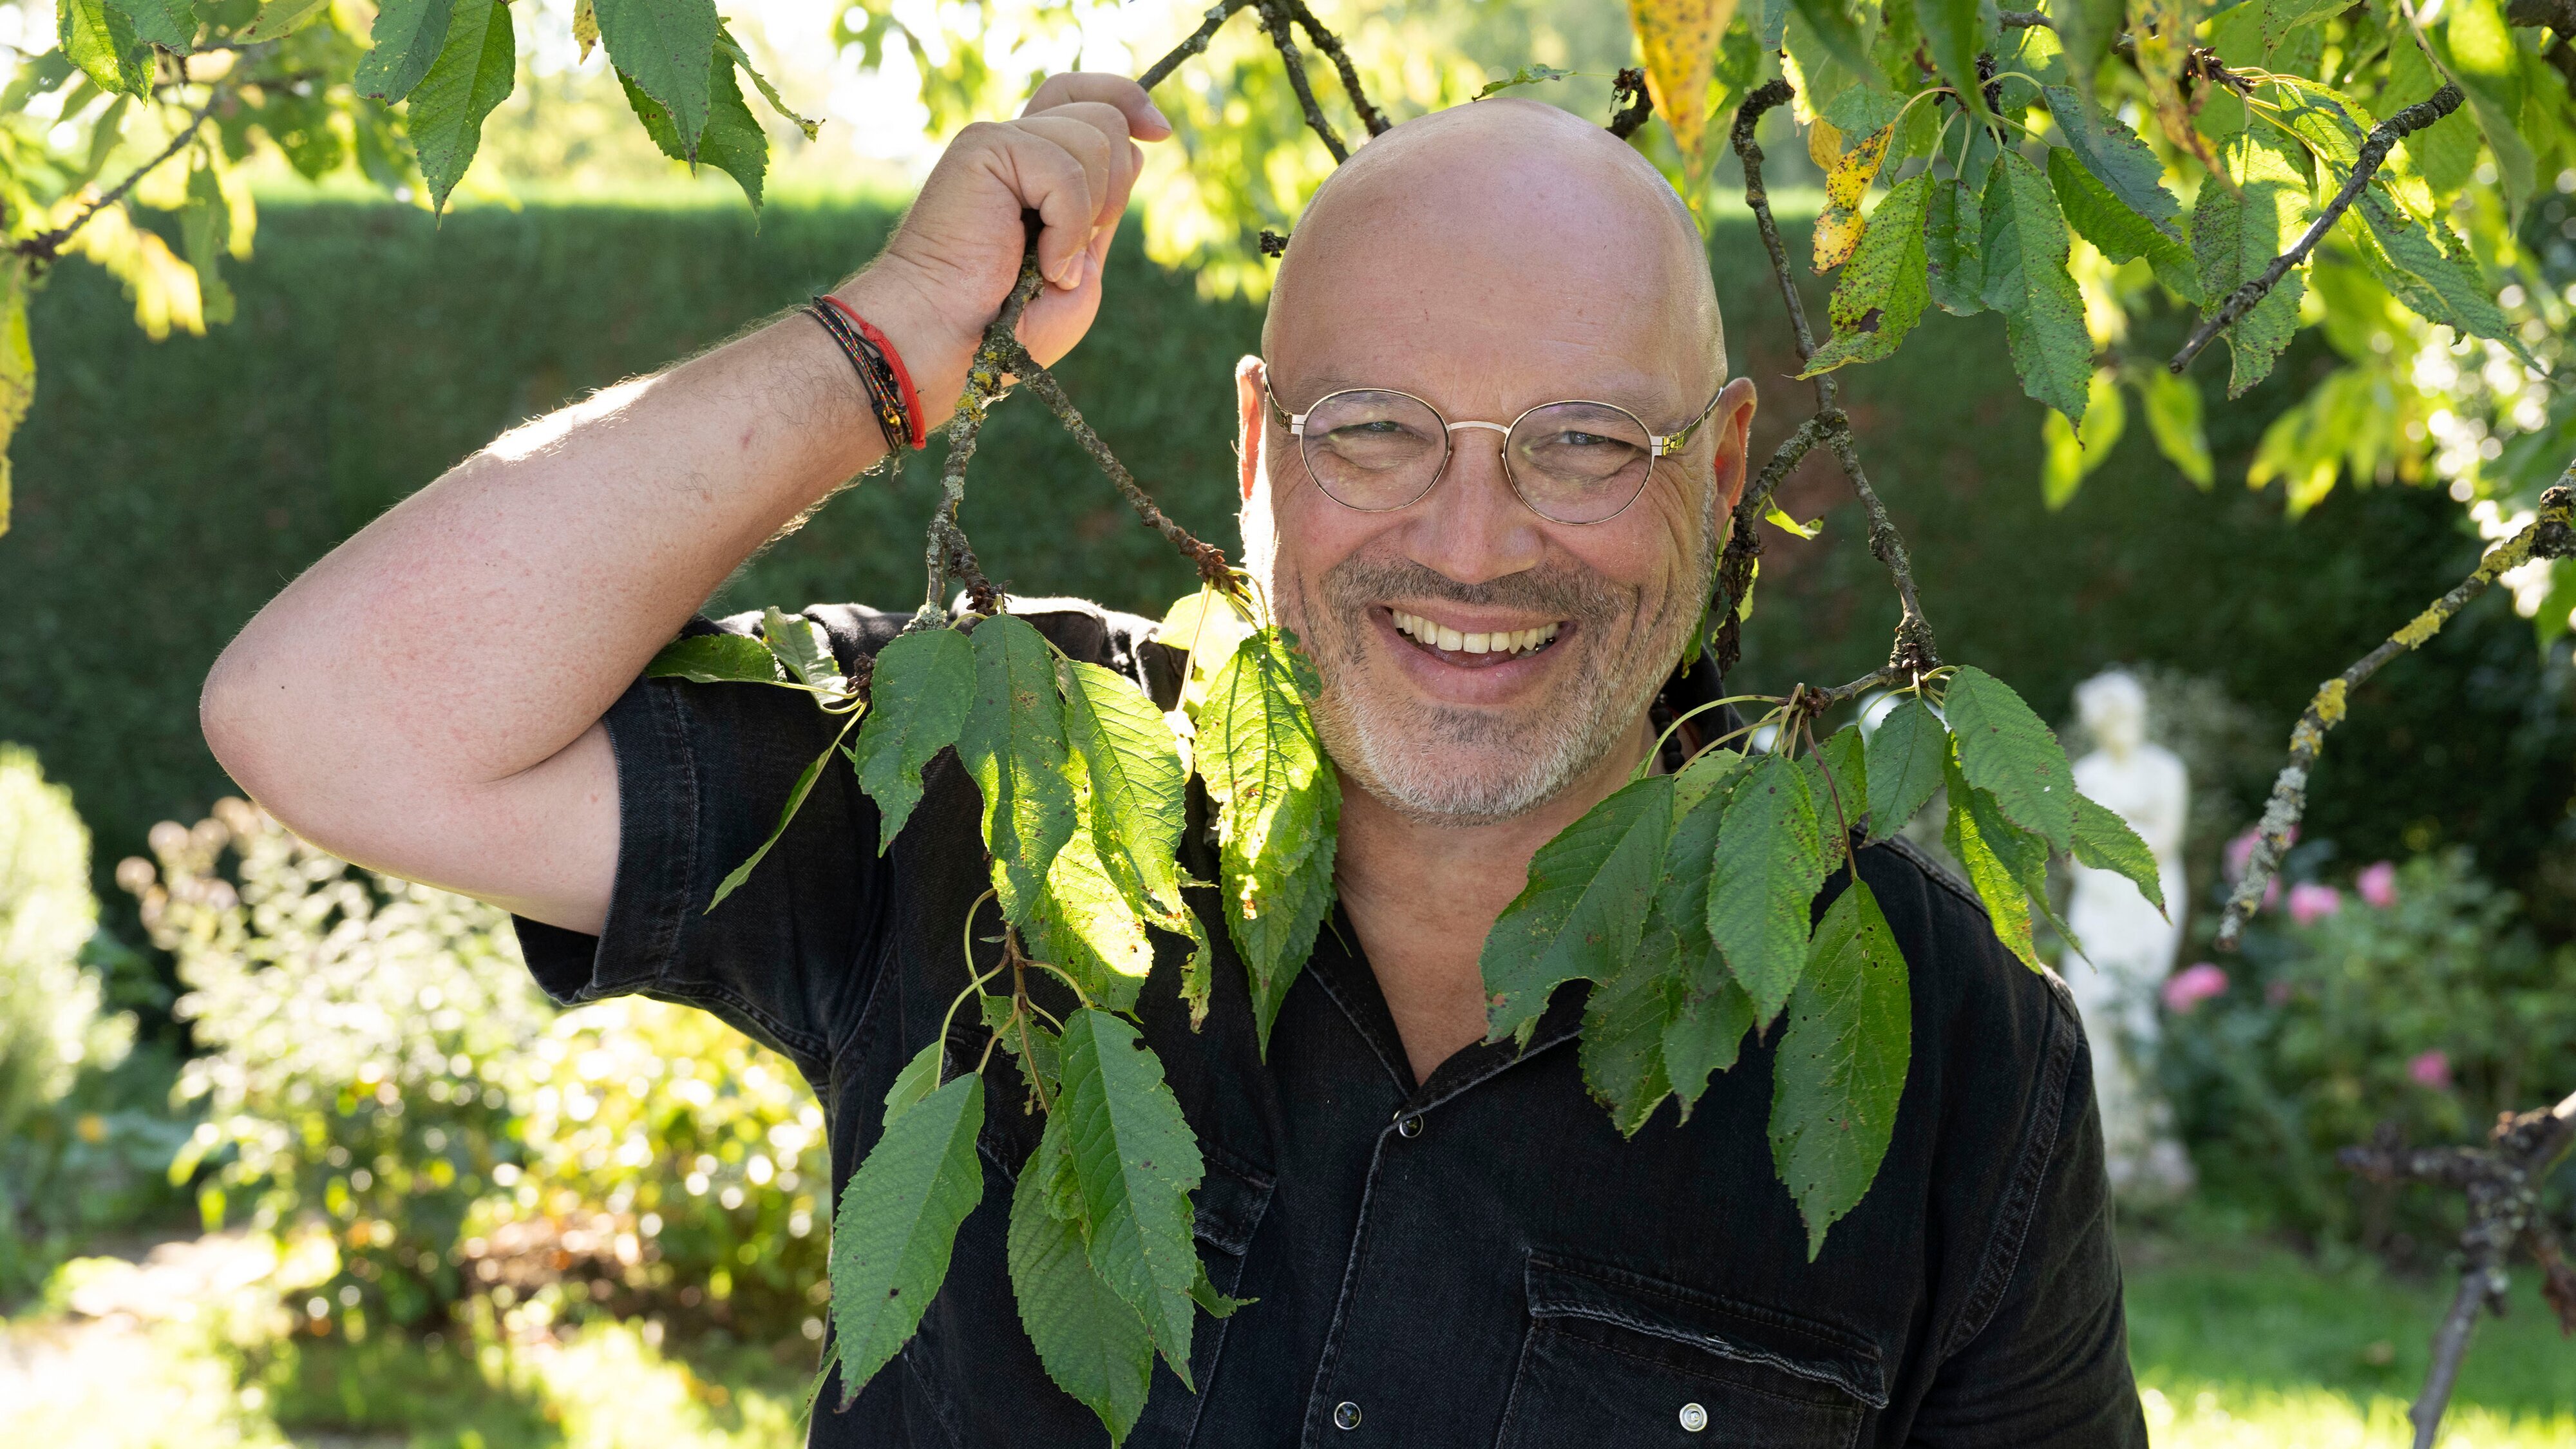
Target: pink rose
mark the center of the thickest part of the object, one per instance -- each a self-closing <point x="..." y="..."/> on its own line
<point x="2191" y="986"/>
<point x="2377" y="884"/>
<point x="2431" y="1069"/>
<point x="2310" y="904"/>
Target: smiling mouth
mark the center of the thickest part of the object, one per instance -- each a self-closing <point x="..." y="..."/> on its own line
<point x="1501" y="644"/>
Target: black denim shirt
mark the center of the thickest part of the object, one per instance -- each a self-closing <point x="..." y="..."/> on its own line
<point x="1476" y="1260"/>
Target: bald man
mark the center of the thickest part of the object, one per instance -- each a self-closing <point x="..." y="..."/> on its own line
<point x="1486" y="453"/>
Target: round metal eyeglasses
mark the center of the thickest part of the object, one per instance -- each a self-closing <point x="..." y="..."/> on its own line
<point x="1375" y="450"/>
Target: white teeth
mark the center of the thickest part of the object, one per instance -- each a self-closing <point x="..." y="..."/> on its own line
<point x="1451" y="639"/>
<point x="1476" y="642"/>
<point x="1498" y="641"/>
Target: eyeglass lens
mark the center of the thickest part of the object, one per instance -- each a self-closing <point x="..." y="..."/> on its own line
<point x="1573" y="462"/>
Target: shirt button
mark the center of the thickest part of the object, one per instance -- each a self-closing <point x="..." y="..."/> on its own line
<point x="1346" y="1415"/>
<point x="1694" y="1418"/>
<point x="1409" y="1125"/>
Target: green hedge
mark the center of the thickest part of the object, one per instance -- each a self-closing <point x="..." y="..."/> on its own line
<point x="166" y="489"/>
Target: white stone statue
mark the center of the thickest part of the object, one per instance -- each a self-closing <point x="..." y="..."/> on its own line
<point x="2129" y="943"/>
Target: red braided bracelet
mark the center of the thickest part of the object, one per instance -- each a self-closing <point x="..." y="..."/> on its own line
<point x="902" y="375"/>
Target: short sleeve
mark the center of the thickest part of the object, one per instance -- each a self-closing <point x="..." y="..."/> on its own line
<point x="703" y="772"/>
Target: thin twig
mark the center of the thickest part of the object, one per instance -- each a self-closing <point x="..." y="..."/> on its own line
<point x="1756" y="197"/>
<point x="45" y="246"/>
<point x="947" y="548"/>
<point x="1275" y="19"/>
<point x="2502" y="1181"/>
<point x="1331" y="45"/>
<point x="2365" y="164"/>
<point x="1744" y="541"/>
<point x="2552" y="534"/>
<point x="1197" y="44"/>
<point x="1630" y="87"/>
<point x="1209" y="559"/>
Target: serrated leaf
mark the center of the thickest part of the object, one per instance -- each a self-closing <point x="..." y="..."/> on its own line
<point x="1583" y="909"/>
<point x="101" y="41"/>
<point x="804" y="648"/>
<point x="1996" y="864"/>
<point x="1279" y="807"/>
<point x="716" y="659"/>
<point x="2122" y="234"/>
<point x="171" y="24"/>
<point x="1955" y="32"/>
<point x="205" y="231"/>
<point x="667" y="50"/>
<point x="1709" y="1012"/>
<point x="919" y="1077"/>
<point x="2104" y="841"/>
<point x="406" y="41"/>
<point x="1083" y="921"/>
<point x="2236" y="235"/>
<point x="2069" y="454"/>
<point x="803" y="787"/>
<point x="1013" y="745"/>
<point x="281" y="18"/>
<point x="1954" y="248"/>
<point x="919" y="693"/>
<point x="1091" y="1343"/>
<point x="475" y="71"/>
<point x="1772" y="854"/>
<point x="1679" y="41"/>
<point x="1138" y="789"/>
<point x="1844" y="755"/>
<point x="731" y="141"/>
<point x="1525" y="76"/>
<point x="1622" y="1048"/>
<point x="897" y="1223"/>
<point x="1711" y="1015"/>
<point x="2008" y="751"/>
<point x="2445" y="153"/>
<point x="1135" y="1161"/>
<point x="1860" y="110"/>
<point x="2115" y="158"/>
<point x="1905" y="755"/>
<point x="1841" y="1069"/>
<point x="1838" y="225"/>
<point x="729" y="47"/>
<point x="2478" y="42"/>
<point x="1882" y="293"/>
<point x="2026" y="280"/>
<point x="1834" y="29"/>
<point x="2173" y="420"/>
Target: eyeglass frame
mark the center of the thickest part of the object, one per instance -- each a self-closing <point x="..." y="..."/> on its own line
<point x="1659" y="446"/>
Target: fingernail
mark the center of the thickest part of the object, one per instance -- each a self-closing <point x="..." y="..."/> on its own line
<point x="1155" y="113"/>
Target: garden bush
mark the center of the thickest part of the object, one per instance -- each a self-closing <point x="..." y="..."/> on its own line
<point x="377" y="1059"/>
<point x="2408" y="998"/>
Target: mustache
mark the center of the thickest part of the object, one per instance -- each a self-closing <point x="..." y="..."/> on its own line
<point x="1576" y="594"/>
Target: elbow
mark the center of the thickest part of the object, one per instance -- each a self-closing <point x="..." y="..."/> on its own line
<point x="251" y="720"/>
<point x="230" y="716"/>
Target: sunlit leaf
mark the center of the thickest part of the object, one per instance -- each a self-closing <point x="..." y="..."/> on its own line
<point x="1083" y="921"/>
<point x="804" y="648"/>
<point x="2121" y="233"/>
<point x="1679" y="39"/>
<point x="2069" y="455"/>
<point x="1138" y="789"/>
<point x="727" y="47"/>
<point x="667" y="50"/>
<point x="1525" y="76"/>
<point x="2005" y="749"/>
<point x="2236" y="235"/>
<point x="476" y="69"/>
<point x="101" y="41"/>
<point x="731" y="140"/>
<point x="1881" y="294"/>
<point x="1838" y="225"/>
<point x="1279" y="806"/>
<point x="2173" y="420"/>
<point x="716" y="659"/>
<point x="2104" y="841"/>
<point x="1013" y="745"/>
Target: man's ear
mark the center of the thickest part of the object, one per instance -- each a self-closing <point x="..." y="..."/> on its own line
<point x="1733" y="420"/>
<point x="1249" y="423"/>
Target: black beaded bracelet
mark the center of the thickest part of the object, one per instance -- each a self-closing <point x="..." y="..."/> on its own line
<point x="876" y="374"/>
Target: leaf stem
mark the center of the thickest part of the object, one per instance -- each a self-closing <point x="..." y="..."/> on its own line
<point x="1209" y="559"/>
<point x="1653" y="754"/>
<point x="975" y="986"/>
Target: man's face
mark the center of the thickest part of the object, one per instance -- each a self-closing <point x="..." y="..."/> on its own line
<point x="1477" y="657"/>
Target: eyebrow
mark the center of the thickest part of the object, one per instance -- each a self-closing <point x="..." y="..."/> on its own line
<point x="1331" y="383"/>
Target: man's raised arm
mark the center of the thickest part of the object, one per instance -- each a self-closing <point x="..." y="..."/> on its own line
<point x="426" y="699"/>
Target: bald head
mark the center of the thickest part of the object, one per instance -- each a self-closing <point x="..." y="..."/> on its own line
<point x="1544" y="216"/>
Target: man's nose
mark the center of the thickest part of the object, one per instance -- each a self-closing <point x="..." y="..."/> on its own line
<point x="1471" y="526"/>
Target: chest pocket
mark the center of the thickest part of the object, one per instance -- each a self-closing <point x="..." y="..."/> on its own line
<point x="1616" y="1358"/>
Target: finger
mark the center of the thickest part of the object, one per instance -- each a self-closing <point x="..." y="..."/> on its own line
<point x="1144" y="119"/>
<point x="1095" y="149"/>
<point x="1046" y="176"/>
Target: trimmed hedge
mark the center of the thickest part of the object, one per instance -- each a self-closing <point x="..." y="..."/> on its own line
<point x="166" y="490"/>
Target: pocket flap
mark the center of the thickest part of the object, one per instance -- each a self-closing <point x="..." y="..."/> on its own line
<point x="1229" y="1202"/>
<point x="1727" y="1327"/>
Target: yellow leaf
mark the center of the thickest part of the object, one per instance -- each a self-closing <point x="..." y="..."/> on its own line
<point x="1838" y="226"/>
<point x="1824" y="144"/>
<point x="17" y="368"/>
<point x="1680" y="38"/>
<point x="585" y="26"/>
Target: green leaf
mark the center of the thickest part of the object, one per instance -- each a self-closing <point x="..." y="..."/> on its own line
<point x="2280" y="17"/>
<point x="918" y="695"/>
<point x="1013" y="744"/>
<point x="1083" y="921"/>
<point x="1841" y="39"/>
<point x="731" y="141"/>
<point x="170" y="24"/>
<point x="1031" y="1043"/>
<point x="897" y="1222"/>
<point x="1138" y="787"/>
<point x="728" y="47"/>
<point x="1883" y="288"/>
<point x="1583" y="909"/>
<point x="2006" y="750"/>
<point x="281" y="18"/>
<point x="1842" y="1064"/>
<point x="408" y="36"/>
<point x="1215" y="1304"/>
<point x="2087" y="29"/>
<point x="1954" y="33"/>
<point x="1780" y="520"/>
<point x="1771" y="856"/>
<point x="1622" y="1049"/>
<point x="2122" y="234"/>
<point x="805" y="649"/>
<point x="1092" y="1344"/>
<point x="2070" y="454"/>
<point x="475" y="71"/>
<point x="2173" y="420"/>
<point x="1905" y="755"/>
<point x="2002" y="862"/>
<point x="1279" y="812"/>
<point x="2236" y="236"/>
<point x="2113" y="156"/>
<point x="2026" y="280"/>
<point x="2479" y="45"/>
<point x="2445" y="152"/>
<point x="2104" y="841"/>
<point x="1711" y="1015"/>
<point x="1135" y="1162"/>
<point x="101" y="41"/>
<point x="205" y="230"/>
<point x="1862" y="110"/>
<point x="920" y="1077"/>
<point x="667" y="49"/>
<point x="1954" y="248"/>
<point x="716" y="659"/>
<point x="17" y="370"/>
<point x="787" y="814"/>
<point x="1526" y="75"/>
<point x="1708" y="1013"/>
<point x="1845" y="757"/>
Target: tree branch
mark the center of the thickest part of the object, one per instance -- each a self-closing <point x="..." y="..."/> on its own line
<point x="947" y="549"/>
<point x="45" y="246"/>
<point x="2550" y="535"/>
<point x="1197" y="44"/>
<point x="1744" y="541"/>
<point x="2366" y="162"/>
<point x="1275" y="18"/>
<point x="1331" y="45"/>
<point x="1209" y="559"/>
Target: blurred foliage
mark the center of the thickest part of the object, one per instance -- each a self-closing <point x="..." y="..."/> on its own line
<point x="377" y="1059"/>
<point x="2430" y="1009"/>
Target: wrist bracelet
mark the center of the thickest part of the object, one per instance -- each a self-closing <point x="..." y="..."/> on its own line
<point x="894" y="360"/>
<point x="891" y="399"/>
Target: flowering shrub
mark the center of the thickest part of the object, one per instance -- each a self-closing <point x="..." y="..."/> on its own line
<point x="378" y="1058"/>
<point x="2418" y="999"/>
